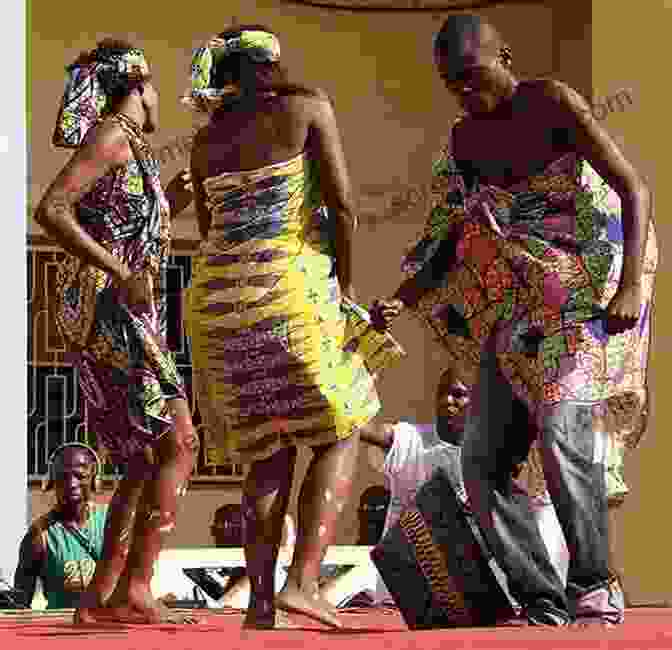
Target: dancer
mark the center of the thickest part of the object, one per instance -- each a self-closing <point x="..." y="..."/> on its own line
<point x="538" y="280"/>
<point x="282" y="355"/>
<point x="230" y="587"/>
<point x="107" y="209"/>
<point x="61" y="547"/>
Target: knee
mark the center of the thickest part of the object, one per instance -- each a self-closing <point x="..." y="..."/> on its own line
<point x="182" y="449"/>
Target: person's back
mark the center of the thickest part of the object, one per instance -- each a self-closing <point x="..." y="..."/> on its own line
<point x="262" y="131"/>
<point x="282" y="353"/>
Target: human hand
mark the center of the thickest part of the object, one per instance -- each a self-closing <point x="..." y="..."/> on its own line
<point x="137" y="288"/>
<point x="384" y="312"/>
<point x="181" y="182"/>
<point x="349" y="293"/>
<point x="180" y="192"/>
<point x="624" y="309"/>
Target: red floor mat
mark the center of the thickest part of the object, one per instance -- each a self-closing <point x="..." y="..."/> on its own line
<point x="645" y="629"/>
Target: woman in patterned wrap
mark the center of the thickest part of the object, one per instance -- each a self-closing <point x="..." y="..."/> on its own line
<point x="536" y="272"/>
<point x="282" y="354"/>
<point x="107" y="209"/>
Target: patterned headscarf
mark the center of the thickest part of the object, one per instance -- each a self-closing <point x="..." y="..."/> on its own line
<point x="261" y="47"/>
<point x="88" y="89"/>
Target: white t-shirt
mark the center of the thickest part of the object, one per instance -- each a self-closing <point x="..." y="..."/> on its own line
<point x="416" y="452"/>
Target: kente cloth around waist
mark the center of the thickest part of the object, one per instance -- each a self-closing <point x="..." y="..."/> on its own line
<point x="280" y="358"/>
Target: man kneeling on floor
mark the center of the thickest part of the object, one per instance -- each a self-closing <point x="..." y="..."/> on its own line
<point x="413" y="453"/>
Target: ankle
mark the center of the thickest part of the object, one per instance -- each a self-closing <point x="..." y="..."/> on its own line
<point x="303" y="583"/>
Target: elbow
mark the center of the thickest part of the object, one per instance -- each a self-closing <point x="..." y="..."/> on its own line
<point x="40" y="218"/>
<point x="636" y="197"/>
<point x="343" y="211"/>
<point x="43" y="215"/>
<point x="644" y="194"/>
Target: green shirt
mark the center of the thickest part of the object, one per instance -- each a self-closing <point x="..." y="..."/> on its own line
<point x="71" y="556"/>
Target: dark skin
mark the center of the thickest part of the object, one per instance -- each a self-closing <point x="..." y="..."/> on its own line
<point x="104" y="150"/>
<point x="74" y="471"/>
<point x="122" y="585"/>
<point x="452" y="400"/>
<point x="262" y="130"/>
<point x="226" y="531"/>
<point x="515" y="129"/>
<point x="372" y="512"/>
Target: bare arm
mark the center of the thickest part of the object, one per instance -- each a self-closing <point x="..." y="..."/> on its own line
<point x="599" y="149"/>
<point x="179" y="193"/>
<point x="106" y="149"/>
<point x="325" y="140"/>
<point x="198" y="175"/>
<point x="29" y="569"/>
<point x="381" y="435"/>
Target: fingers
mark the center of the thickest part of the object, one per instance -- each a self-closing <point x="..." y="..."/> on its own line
<point x="388" y="308"/>
<point x="185" y="177"/>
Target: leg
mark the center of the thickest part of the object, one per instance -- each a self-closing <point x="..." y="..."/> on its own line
<point x="575" y="474"/>
<point x="507" y="522"/>
<point x="174" y="458"/>
<point x="118" y="529"/>
<point x="324" y="494"/>
<point x="614" y="564"/>
<point x="266" y="493"/>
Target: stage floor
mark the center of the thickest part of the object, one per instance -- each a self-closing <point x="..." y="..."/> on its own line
<point x="645" y="629"/>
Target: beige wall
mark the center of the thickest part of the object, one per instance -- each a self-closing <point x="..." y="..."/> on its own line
<point x="392" y="112"/>
<point x="626" y="43"/>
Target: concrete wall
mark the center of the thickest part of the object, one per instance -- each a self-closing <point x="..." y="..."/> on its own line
<point x="626" y="46"/>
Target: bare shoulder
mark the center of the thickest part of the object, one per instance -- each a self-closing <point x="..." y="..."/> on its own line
<point x="199" y="148"/>
<point x="314" y="103"/>
<point x="200" y="139"/>
<point x="558" y="94"/>
<point x="109" y="141"/>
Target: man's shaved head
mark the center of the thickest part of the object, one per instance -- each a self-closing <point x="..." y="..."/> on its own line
<point x="463" y="34"/>
<point x="474" y="62"/>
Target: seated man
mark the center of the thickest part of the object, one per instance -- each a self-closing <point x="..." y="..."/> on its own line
<point x="413" y="453"/>
<point x="61" y="548"/>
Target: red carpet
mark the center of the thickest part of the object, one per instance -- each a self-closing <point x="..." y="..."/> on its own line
<point x="645" y="629"/>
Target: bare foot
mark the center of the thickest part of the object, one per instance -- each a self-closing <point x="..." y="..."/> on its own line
<point x="88" y="602"/>
<point x="292" y="599"/>
<point x="171" y="616"/>
<point x="137" y="607"/>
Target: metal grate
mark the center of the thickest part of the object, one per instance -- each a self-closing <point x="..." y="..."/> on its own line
<point x="56" y="412"/>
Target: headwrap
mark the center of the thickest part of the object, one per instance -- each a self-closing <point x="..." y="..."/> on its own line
<point x="260" y="47"/>
<point x="88" y="89"/>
